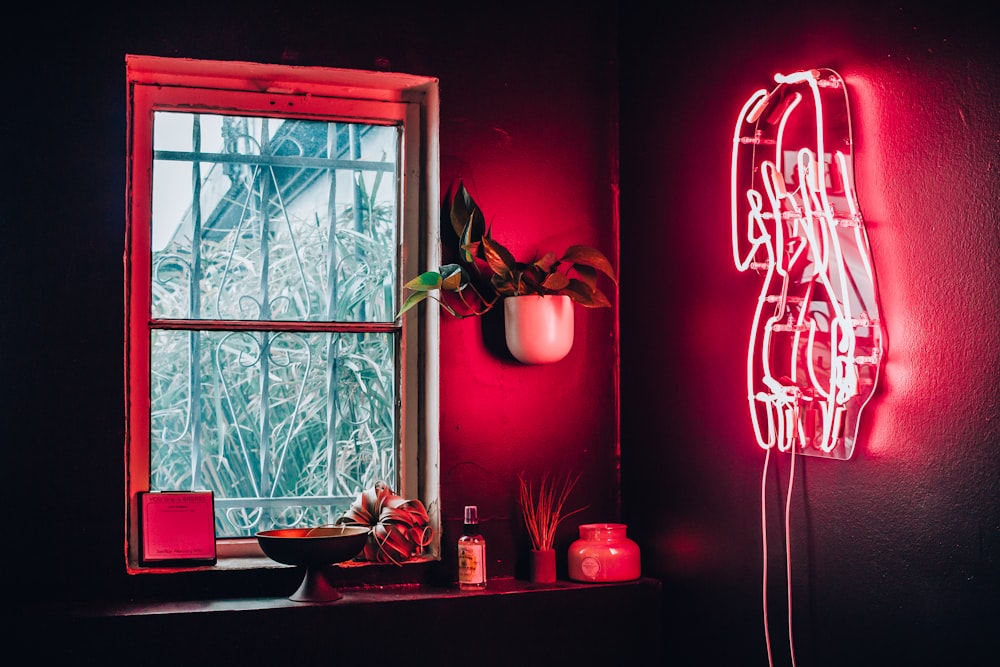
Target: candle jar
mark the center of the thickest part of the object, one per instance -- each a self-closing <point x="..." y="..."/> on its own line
<point x="604" y="553"/>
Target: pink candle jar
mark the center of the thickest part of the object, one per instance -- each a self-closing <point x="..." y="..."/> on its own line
<point x="604" y="553"/>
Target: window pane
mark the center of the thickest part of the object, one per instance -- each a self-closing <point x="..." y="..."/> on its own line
<point x="244" y="209"/>
<point x="248" y="414"/>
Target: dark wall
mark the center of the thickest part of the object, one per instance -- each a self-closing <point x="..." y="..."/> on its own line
<point x="894" y="554"/>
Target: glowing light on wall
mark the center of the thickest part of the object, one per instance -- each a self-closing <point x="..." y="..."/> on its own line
<point x="816" y="342"/>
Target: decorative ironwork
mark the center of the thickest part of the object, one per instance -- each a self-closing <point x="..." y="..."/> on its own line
<point x="274" y="341"/>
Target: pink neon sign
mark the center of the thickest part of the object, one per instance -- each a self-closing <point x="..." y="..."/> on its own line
<point x="816" y="342"/>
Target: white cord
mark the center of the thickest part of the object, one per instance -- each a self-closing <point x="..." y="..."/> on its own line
<point x="763" y="530"/>
<point x="788" y="555"/>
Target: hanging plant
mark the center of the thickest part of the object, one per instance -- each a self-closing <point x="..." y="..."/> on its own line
<point x="400" y="528"/>
<point x="487" y="271"/>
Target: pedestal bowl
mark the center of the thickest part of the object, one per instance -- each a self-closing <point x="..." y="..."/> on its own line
<point x="314" y="549"/>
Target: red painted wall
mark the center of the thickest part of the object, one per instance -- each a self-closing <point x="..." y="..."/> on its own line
<point x="533" y="144"/>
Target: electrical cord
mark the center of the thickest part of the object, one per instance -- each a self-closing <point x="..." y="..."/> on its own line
<point x="763" y="530"/>
<point x="788" y="556"/>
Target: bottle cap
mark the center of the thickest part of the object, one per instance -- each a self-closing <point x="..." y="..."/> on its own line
<point x="471" y="514"/>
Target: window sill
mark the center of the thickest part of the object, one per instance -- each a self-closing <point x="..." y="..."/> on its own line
<point x="554" y="619"/>
<point x="262" y="577"/>
<point x="359" y="595"/>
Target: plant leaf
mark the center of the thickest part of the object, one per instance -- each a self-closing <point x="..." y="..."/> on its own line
<point x="547" y="263"/>
<point x="503" y="285"/>
<point x="467" y="244"/>
<point x="425" y="282"/>
<point x="583" y="294"/>
<point x="556" y="281"/>
<point x="581" y="254"/>
<point x="586" y="274"/>
<point x="529" y="279"/>
<point x="453" y="278"/>
<point x="500" y="260"/>
<point x="470" y="251"/>
<point x="411" y="301"/>
<point x="466" y="217"/>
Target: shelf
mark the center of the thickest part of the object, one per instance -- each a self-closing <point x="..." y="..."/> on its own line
<point x="511" y="620"/>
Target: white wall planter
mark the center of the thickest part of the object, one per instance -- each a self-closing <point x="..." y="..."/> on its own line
<point x="538" y="329"/>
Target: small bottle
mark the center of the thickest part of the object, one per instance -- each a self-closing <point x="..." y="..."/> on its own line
<point x="471" y="553"/>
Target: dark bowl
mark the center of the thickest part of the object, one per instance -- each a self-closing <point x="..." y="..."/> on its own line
<point x="313" y="547"/>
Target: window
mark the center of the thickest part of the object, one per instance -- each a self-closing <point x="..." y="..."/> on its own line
<point x="272" y="212"/>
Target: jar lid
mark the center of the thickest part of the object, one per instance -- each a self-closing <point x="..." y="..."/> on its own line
<point x="596" y="530"/>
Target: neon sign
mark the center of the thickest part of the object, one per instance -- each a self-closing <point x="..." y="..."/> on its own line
<point x="816" y="341"/>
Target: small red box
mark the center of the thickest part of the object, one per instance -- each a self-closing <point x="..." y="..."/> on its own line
<point x="177" y="528"/>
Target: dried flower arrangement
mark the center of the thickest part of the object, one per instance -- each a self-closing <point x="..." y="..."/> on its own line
<point x="544" y="513"/>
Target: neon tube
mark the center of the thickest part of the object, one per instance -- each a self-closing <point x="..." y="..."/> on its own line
<point x="815" y="343"/>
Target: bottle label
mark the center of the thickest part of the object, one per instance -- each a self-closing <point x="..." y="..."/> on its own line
<point x="471" y="564"/>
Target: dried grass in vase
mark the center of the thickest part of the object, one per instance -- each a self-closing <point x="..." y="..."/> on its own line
<point x="544" y="513"/>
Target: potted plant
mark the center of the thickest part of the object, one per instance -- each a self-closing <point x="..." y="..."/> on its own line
<point x="542" y="514"/>
<point x="538" y="327"/>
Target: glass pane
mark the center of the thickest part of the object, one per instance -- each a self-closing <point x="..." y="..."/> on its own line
<point x="285" y="428"/>
<point x="244" y="209"/>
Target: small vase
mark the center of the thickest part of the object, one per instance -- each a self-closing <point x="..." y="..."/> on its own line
<point x="542" y="566"/>
<point x="538" y="329"/>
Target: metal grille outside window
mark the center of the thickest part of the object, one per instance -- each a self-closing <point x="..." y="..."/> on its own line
<point x="273" y="345"/>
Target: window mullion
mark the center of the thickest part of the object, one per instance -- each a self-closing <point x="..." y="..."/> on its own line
<point x="194" y="365"/>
